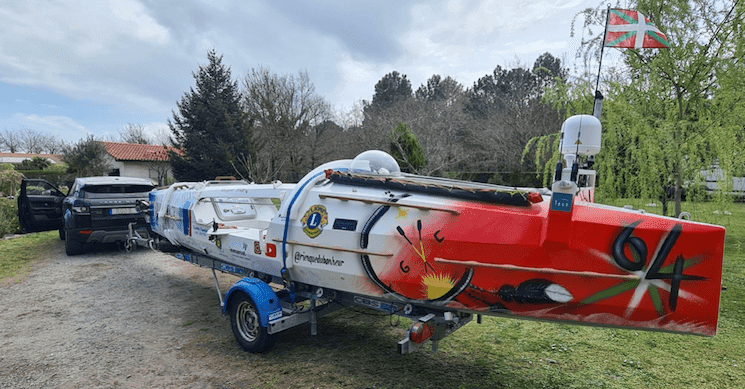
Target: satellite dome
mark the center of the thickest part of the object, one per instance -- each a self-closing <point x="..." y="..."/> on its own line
<point x="375" y="162"/>
<point x="580" y="135"/>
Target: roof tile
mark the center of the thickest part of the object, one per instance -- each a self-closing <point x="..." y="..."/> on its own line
<point x="138" y="152"/>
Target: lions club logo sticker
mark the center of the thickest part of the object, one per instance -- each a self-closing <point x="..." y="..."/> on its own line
<point x="314" y="220"/>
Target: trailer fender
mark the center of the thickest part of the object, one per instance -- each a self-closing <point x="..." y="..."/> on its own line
<point x="266" y="301"/>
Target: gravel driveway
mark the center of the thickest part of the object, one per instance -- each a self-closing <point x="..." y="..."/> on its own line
<point x="108" y="318"/>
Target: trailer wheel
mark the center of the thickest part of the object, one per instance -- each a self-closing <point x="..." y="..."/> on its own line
<point x="244" y="321"/>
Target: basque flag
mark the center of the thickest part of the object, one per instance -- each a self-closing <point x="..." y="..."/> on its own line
<point x="631" y="29"/>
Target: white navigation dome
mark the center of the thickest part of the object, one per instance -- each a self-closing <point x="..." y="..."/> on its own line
<point x="375" y="162"/>
<point x="580" y="134"/>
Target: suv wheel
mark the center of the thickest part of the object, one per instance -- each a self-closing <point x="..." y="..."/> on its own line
<point x="72" y="246"/>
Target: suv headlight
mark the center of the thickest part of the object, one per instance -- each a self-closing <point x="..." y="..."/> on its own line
<point x="82" y="209"/>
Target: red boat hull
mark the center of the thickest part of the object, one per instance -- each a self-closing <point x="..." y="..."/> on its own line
<point x="596" y="265"/>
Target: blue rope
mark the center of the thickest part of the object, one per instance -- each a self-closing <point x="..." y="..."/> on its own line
<point x="286" y="232"/>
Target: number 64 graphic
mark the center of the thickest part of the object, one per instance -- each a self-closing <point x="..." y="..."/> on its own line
<point x="638" y="259"/>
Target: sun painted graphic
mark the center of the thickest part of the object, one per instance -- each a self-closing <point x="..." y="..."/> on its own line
<point x="437" y="285"/>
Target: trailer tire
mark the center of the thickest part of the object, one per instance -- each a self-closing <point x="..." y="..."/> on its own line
<point x="244" y="321"/>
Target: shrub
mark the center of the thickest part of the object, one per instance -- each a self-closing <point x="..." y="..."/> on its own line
<point x="36" y="163"/>
<point x="10" y="179"/>
<point x="8" y="217"/>
<point x="56" y="174"/>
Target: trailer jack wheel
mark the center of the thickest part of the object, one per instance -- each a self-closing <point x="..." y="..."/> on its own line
<point x="244" y="321"/>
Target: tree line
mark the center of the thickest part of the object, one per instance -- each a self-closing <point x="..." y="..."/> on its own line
<point x="271" y="126"/>
<point x="29" y="141"/>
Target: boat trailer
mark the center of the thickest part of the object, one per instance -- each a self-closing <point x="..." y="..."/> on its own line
<point x="297" y="304"/>
<point x="312" y="302"/>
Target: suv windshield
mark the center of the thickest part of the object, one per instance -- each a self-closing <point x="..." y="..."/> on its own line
<point x="104" y="190"/>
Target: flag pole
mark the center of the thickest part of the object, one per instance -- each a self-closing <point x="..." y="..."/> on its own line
<point x="599" y="96"/>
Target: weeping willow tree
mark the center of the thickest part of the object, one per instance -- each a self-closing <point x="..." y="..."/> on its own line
<point x="673" y="112"/>
<point x="676" y="87"/>
<point x="648" y="151"/>
<point x="543" y="153"/>
<point x="568" y="98"/>
<point x="727" y="128"/>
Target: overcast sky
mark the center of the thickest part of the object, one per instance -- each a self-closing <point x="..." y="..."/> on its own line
<point x="73" y="68"/>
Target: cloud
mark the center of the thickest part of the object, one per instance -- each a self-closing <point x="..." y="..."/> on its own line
<point x="88" y="51"/>
<point x="355" y="76"/>
<point x="133" y="15"/>
<point x="70" y="31"/>
<point x="366" y="30"/>
<point x="61" y="127"/>
<point x="132" y="60"/>
<point x="536" y="46"/>
<point x="158" y="132"/>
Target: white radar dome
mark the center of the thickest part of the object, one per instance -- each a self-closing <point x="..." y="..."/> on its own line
<point x="375" y="162"/>
<point x="580" y="135"/>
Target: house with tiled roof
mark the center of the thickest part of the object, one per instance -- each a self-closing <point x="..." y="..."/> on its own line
<point x="17" y="158"/>
<point x="138" y="160"/>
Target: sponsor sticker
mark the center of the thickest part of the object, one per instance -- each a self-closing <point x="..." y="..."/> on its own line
<point x="271" y="250"/>
<point x="345" y="224"/>
<point x="257" y="248"/>
<point x="231" y="269"/>
<point x="561" y="202"/>
<point x="239" y="248"/>
<point x="200" y="231"/>
<point x="314" y="220"/>
<point x="375" y="304"/>
<point x="317" y="259"/>
<point x="275" y="315"/>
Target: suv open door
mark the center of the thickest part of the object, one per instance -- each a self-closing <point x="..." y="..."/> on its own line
<point x="39" y="206"/>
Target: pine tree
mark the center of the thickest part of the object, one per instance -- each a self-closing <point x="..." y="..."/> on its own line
<point x="209" y="128"/>
<point x="406" y="149"/>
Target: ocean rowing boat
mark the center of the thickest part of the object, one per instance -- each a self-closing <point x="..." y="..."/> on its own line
<point x="414" y="245"/>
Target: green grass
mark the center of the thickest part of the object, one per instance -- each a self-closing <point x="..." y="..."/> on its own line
<point x="353" y="350"/>
<point x="17" y="256"/>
